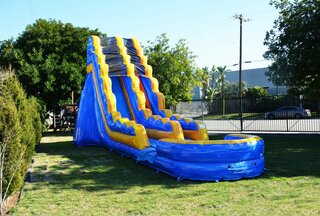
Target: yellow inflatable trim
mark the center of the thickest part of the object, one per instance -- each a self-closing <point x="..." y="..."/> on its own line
<point x="140" y="140"/>
<point x="176" y="134"/>
<point x="168" y="113"/>
<point x="246" y="139"/>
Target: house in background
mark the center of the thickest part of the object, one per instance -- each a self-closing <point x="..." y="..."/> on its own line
<point x="252" y="77"/>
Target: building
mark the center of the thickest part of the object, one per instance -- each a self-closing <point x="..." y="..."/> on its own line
<point x="252" y="77"/>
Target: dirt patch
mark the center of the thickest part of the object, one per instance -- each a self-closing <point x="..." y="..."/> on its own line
<point x="10" y="202"/>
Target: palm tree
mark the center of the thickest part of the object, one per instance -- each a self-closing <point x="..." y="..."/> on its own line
<point x="208" y="92"/>
<point x="220" y="85"/>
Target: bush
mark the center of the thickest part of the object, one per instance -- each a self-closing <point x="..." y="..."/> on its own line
<point x="20" y="131"/>
<point x="256" y="92"/>
<point x="35" y="111"/>
<point x="10" y="142"/>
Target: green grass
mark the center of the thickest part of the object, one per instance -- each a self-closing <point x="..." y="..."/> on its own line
<point x="67" y="180"/>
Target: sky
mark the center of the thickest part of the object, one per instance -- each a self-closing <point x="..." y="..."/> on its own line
<point x="208" y="26"/>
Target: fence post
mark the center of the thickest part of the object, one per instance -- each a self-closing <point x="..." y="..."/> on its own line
<point x="202" y="110"/>
<point x="287" y="119"/>
<point x="241" y="113"/>
<point x="54" y="120"/>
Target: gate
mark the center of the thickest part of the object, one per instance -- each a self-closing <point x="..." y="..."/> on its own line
<point x="259" y="114"/>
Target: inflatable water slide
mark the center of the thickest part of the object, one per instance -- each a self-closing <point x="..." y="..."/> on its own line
<point x="122" y="109"/>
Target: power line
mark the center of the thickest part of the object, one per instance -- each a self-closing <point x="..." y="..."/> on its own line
<point x="248" y="61"/>
<point x="198" y="32"/>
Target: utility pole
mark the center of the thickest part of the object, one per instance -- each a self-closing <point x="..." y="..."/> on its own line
<point x="241" y="19"/>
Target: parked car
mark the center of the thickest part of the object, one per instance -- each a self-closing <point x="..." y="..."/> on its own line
<point x="289" y="112"/>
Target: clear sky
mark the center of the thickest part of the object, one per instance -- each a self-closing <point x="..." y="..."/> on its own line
<point x="207" y="25"/>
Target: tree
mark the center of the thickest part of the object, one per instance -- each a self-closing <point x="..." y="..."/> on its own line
<point x="49" y="59"/>
<point x="256" y="92"/>
<point x="206" y="75"/>
<point x="220" y="82"/>
<point x="231" y="89"/>
<point x="221" y="88"/>
<point x="294" y="46"/>
<point x="174" y="67"/>
<point x="20" y="131"/>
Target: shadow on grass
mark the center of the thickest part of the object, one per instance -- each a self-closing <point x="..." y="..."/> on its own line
<point x="96" y="168"/>
<point x="292" y="155"/>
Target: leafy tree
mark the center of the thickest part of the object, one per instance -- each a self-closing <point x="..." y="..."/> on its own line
<point x="49" y="59"/>
<point x="231" y="89"/>
<point x="256" y="92"/>
<point x="294" y="45"/>
<point x="258" y="98"/>
<point x="220" y="88"/>
<point x="174" y="67"/>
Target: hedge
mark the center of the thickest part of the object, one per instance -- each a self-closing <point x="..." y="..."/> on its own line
<point x="20" y="131"/>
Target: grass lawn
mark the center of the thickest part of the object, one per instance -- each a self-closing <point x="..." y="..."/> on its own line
<point x="67" y="180"/>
